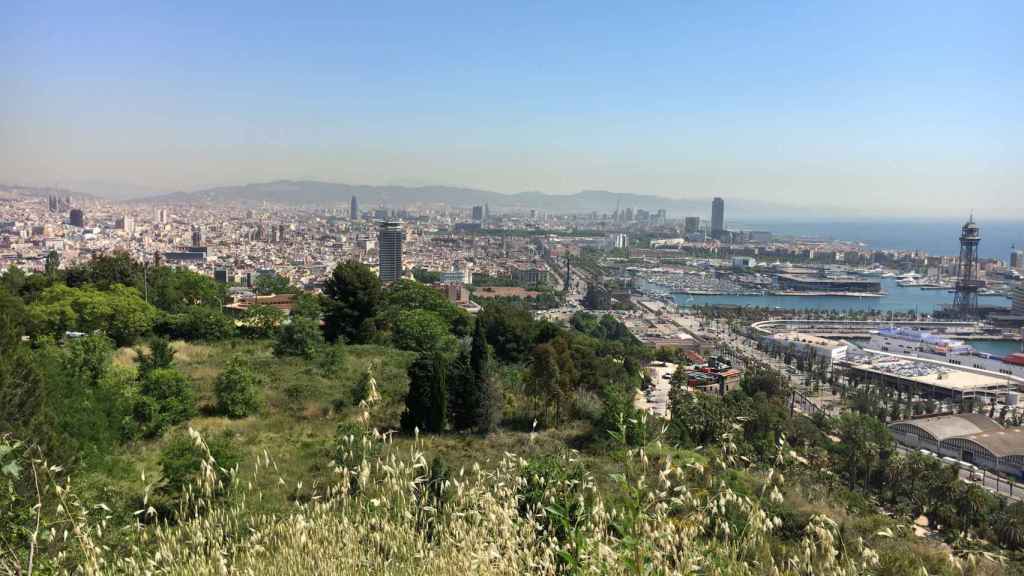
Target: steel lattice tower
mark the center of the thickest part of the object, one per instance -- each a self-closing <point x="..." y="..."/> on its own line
<point x="967" y="283"/>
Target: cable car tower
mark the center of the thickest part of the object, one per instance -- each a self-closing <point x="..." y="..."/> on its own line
<point x="965" y="302"/>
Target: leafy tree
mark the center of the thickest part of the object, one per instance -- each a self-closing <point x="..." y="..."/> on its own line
<point x="160" y="355"/>
<point x="300" y="337"/>
<point x="52" y="269"/>
<point x="119" y="311"/>
<point x="544" y="381"/>
<point x="771" y="382"/>
<point x="82" y="403"/>
<point x="178" y="290"/>
<point x="237" y="391"/>
<point x="261" y="321"/>
<point x="354" y="295"/>
<point x="509" y="329"/>
<point x="21" y="380"/>
<point x="106" y="270"/>
<point x="426" y="404"/>
<point x="864" y="440"/>
<point x="307" y="306"/>
<point x="272" y="283"/>
<point x="698" y="419"/>
<point x="197" y="323"/>
<point x="169" y="399"/>
<point x="422" y="331"/>
<point x="404" y="295"/>
<point x="426" y="276"/>
<point x="1010" y="526"/>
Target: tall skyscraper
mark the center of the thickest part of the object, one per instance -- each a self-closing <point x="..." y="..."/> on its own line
<point x="126" y="223"/>
<point x="77" y="218"/>
<point x="161" y="216"/>
<point x="478" y="213"/>
<point x="1016" y="258"/>
<point x="389" y="249"/>
<point x="691" y="225"/>
<point x="717" y="217"/>
<point x="353" y="210"/>
<point x="197" y="236"/>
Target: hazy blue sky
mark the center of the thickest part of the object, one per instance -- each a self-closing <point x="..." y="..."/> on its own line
<point x="887" y="106"/>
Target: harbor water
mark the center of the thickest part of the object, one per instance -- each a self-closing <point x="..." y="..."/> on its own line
<point x="896" y="299"/>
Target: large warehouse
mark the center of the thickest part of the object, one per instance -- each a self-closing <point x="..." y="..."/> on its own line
<point x="973" y="438"/>
<point x="929" y="378"/>
<point x="797" y="283"/>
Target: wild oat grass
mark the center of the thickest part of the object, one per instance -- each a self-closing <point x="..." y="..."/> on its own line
<point x="386" y="515"/>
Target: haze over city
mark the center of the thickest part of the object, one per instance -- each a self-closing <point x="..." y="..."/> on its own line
<point x="854" y="108"/>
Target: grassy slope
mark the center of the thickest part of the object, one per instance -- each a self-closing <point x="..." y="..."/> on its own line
<point x="297" y="427"/>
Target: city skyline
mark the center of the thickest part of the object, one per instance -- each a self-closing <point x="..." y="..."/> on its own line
<point x="869" y="109"/>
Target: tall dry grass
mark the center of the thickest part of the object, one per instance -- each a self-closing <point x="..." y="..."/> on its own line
<point x="391" y="514"/>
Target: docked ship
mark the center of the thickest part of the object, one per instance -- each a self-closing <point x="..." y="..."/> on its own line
<point x="930" y="346"/>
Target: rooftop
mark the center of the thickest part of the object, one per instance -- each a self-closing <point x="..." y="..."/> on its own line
<point x="932" y="374"/>
<point x="808" y="339"/>
<point x="952" y="425"/>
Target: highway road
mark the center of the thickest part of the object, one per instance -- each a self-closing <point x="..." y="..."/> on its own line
<point x="983" y="478"/>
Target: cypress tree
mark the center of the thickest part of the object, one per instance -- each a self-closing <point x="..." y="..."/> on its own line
<point x="438" y="416"/>
<point x="426" y="404"/>
<point x="462" y="398"/>
<point x="485" y="394"/>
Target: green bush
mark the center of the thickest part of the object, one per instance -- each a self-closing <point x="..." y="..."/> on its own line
<point x="300" y="337"/>
<point x="173" y="396"/>
<point x="261" y="321"/>
<point x="237" y="391"/>
<point x="181" y="461"/>
<point x="160" y="355"/>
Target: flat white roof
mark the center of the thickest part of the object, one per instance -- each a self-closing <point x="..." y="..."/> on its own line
<point x="808" y="339"/>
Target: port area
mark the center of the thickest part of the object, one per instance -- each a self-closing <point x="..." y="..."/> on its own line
<point x="779" y="293"/>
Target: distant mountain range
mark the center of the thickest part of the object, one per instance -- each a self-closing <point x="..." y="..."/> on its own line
<point x="314" y="193"/>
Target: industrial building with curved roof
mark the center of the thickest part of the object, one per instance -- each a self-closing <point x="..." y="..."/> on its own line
<point x="973" y="438"/>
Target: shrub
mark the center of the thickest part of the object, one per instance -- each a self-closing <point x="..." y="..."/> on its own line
<point x="300" y="337"/>
<point x="182" y="459"/>
<point x="332" y="360"/>
<point x="173" y="396"/>
<point x="160" y="355"/>
<point x="236" y="390"/>
<point x="261" y="321"/>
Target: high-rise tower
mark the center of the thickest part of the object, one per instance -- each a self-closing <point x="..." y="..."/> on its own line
<point x="353" y="211"/>
<point x="717" y="217"/>
<point x="389" y="249"/>
<point x="965" y="302"/>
